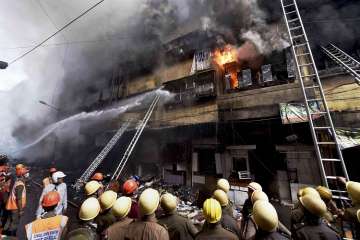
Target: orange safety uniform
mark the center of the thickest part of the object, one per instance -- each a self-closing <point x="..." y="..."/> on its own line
<point x="12" y="202"/>
<point x="47" y="228"/>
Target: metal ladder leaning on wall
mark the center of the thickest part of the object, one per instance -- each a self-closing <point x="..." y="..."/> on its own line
<point x="99" y="158"/>
<point x="348" y="63"/>
<point x="134" y="140"/>
<point x="327" y="148"/>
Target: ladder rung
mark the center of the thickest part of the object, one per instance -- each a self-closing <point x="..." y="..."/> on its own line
<point x="289" y="5"/>
<point x="322" y="128"/>
<point x="330" y="160"/>
<point x="317" y="113"/>
<point x="338" y="191"/>
<point x="293" y="20"/>
<point x="314" y="100"/>
<point x="290" y="12"/>
<point x="300" y="45"/>
<point x="294" y="28"/>
<point x="304" y="65"/>
<point x="331" y="177"/>
<point x="340" y="197"/>
<point x="326" y="143"/>
<point x="310" y="75"/>
<point x="313" y="86"/>
<point x="302" y="54"/>
<point x="298" y="36"/>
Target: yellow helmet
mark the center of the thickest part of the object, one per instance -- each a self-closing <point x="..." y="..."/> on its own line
<point x="265" y="216"/>
<point x="107" y="199"/>
<point x="254" y="186"/>
<point x="259" y="195"/>
<point x="223" y="184"/>
<point x="221" y="197"/>
<point x="212" y="210"/>
<point x="89" y="209"/>
<point x="149" y="201"/>
<point x="353" y="189"/>
<point x="18" y="166"/>
<point x="314" y="205"/>
<point x="310" y="191"/>
<point x="121" y="207"/>
<point x="324" y="192"/>
<point x="91" y="187"/>
<point x="168" y="202"/>
<point x="358" y="215"/>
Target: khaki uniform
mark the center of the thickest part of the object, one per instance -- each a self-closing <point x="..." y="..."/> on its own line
<point x="317" y="231"/>
<point x="179" y="228"/>
<point x="115" y="231"/>
<point x="146" y="229"/>
<point x="351" y="220"/>
<point x="249" y="230"/>
<point x="215" y="231"/>
<point x="261" y="235"/>
<point x="104" y="220"/>
<point x="229" y="223"/>
<point x="86" y="231"/>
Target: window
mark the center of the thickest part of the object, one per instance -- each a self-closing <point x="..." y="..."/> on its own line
<point x="206" y="161"/>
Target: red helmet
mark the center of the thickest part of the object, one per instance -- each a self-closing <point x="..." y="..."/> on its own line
<point x="51" y="199"/>
<point x="52" y="170"/>
<point x="97" y="176"/>
<point x="21" y="171"/>
<point x="129" y="187"/>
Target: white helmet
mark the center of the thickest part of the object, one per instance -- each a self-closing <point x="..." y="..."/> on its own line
<point x="57" y="175"/>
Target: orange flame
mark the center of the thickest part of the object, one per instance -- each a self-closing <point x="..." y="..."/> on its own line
<point x="226" y="55"/>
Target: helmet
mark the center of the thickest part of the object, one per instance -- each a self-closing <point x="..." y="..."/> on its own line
<point x="353" y="189"/>
<point x="149" y="201"/>
<point x="56" y="175"/>
<point x="136" y="178"/>
<point x="51" y="199"/>
<point x="259" y="195"/>
<point x="91" y="187"/>
<point x="168" y="202"/>
<point x="121" y="207"/>
<point x="212" y="210"/>
<point x="21" y="171"/>
<point x="89" y="209"/>
<point x="107" y="199"/>
<point x="223" y="184"/>
<point x="254" y="186"/>
<point x="19" y="166"/>
<point x="314" y="205"/>
<point x="97" y="176"/>
<point x="221" y="197"/>
<point x="300" y="192"/>
<point x="324" y="192"/>
<point x="129" y="187"/>
<point x="265" y="216"/>
<point x="358" y="215"/>
<point x="310" y="191"/>
<point x="52" y="170"/>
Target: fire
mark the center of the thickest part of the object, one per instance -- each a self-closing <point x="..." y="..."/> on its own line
<point x="226" y="55"/>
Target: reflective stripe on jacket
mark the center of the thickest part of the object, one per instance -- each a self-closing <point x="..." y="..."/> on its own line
<point x="48" y="228"/>
<point x="12" y="201"/>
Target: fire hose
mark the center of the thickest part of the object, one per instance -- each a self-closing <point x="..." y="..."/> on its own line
<point x="69" y="202"/>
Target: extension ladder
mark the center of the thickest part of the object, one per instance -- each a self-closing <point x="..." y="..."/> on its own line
<point x="99" y="158"/>
<point x="348" y="63"/>
<point x="327" y="148"/>
<point x="134" y="140"/>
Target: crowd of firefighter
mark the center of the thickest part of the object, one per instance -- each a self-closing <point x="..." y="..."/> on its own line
<point x="124" y="213"/>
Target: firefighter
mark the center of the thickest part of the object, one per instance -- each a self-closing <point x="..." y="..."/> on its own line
<point x="106" y="218"/>
<point x="247" y="207"/>
<point x="89" y="210"/>
<point x="50" y="224"/>
<point x="48" y="180"/>
<point x="58" y="185"/>
<point x="93" y="189"/>
<point x="120" y="210"/>
<point x="224" y="185"/>
<point x="147" y="228"/>
<point x="227" y="221"/>
<point x="212" y="228"/>
<point x="5" y="183"/>
<point x="130" y="188"/>
<point x="313" y="227"/>
<point x="266" y="219"/>
<point x="352" y="227"/>
<point x="180" y="228"/>
<point x="332" y="210"/>
<point x="16" y="202"/>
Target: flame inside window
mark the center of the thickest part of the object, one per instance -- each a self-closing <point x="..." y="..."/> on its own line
<point x="226" y="55"/>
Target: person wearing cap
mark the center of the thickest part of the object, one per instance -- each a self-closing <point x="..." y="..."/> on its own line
<point x="247" y="207"/>
<point x="224" y="185"/>
<point x="350" y="214"/>
<point x="105" y="217"/>
<point x="130" y="188"/>
<point x="93" y="189"/>
<point x="5" y="186"/>
<point x="58" y="185"/>
<point x="147" y="228"/>
<point x="16" y="202"/>
<point x="313" y="227"/>
<point x="212" y="228"/>
<point x="332" y="210"/>
<point x="50" y="224"/>
<point x="180" y="228"/>
<point x="266" y="220"/>
<point x="99" y="177"/>
<point x="227" y="221"/>
<point x="120" y="210"/>
<point x="89" y="210"/>
<point x="48" y="180"/>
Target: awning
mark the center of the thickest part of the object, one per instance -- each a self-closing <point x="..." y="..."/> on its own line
<point x="296" y="112"/>
<point x="348" y="137"/>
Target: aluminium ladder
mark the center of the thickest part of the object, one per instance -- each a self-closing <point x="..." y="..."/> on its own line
<point x="327" y="148"/>
<point x="134" y="140"/>
<point x="348" y="63"/>
<point x="99" y="158"/>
